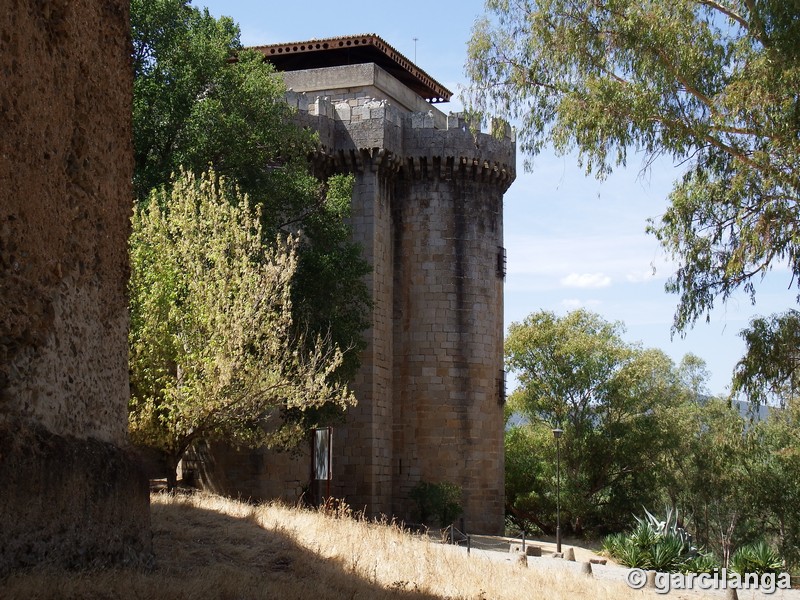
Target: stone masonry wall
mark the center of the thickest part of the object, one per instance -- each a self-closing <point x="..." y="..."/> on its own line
<point x="442" y="398"/>
<point x="448" y="319"/>
<point x="448" y="340"/>
<point x="427" y="210"/>
<point x="363" y="445"/>
<point x="71" y="493"/>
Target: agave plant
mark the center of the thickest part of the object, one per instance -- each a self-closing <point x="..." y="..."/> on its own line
<point x="659" y="544"/>
<point x="669" y="526"/>
<point x="668" y="553"/>
<point x="700" y="563"/>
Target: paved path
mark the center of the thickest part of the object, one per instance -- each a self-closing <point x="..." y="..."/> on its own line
<point x="496" y="549"/>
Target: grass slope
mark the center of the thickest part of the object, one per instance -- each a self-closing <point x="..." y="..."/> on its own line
<point x="212" y="547"/>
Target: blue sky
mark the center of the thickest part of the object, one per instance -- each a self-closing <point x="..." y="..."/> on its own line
<point x="572" y="241"/>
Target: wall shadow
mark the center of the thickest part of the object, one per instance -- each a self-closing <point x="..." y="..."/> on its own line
<point x="201" y="553"/>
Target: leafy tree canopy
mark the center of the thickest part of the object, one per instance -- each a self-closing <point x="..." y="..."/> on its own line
<point x="768" y="372"/>
<point x="214" y="353"/>
<point x="611" y="399"/>
<point x="200" y="99"/>
<point x="710" y="83"/>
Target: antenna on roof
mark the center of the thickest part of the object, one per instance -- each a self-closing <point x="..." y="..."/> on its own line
<point x="415" y="49"/>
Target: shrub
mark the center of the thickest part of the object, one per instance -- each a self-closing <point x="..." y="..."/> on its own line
<point x="440" y="500"/>
<point x="613" y="544"/>
<point x="757" y="558"/>
<point x="663" y="545"/>
<point x="702" y="563"/>
<point x="668" y="553"/>
<point x="633" y="556"/>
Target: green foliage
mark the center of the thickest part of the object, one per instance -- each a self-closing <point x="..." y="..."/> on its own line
<point x="200" y="99"/>
<point x="710" y="462"/>
<point x="613" y="401"/>
<point x="668" y="554"/>
<point x="773" y="482"/>
<point x="633" y="556"/>
<point x="613" y="544"/>
<point x="702" y="563"/>
<point x="637" y="432"/>
<point x="213" y="350"/>
<point x="439" y="500"/>
<point x="712" y="85"/>
<point x="662" y="545"/>
<point x="757" y="558"/>
<point x="738" y="479"/>
<point x="193" y="105"/>
<point x="768" y="371"/>
<point x="644" y="536"/>
<point x="526" y="467"/>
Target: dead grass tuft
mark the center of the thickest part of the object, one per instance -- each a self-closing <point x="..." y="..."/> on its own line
<point x="212" y="547"/>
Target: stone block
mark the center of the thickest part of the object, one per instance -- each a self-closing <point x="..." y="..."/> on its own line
<point x="343" y="111"/>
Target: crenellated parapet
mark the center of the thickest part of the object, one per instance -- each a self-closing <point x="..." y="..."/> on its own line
<point x="366" y="133"/>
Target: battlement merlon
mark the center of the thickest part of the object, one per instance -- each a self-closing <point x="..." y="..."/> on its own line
<point x="355" y="131"/>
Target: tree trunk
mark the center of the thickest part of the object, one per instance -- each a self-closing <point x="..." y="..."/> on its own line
<point x="172" y="473"/>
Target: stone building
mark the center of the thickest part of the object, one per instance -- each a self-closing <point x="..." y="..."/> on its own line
<point x="428" y="211"/>
<point x="70" y="492"/>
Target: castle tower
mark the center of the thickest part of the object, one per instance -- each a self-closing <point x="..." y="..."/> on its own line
<point x="428" y="211"/>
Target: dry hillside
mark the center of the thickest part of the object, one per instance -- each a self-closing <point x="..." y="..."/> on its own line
<point x="211" y="547"/>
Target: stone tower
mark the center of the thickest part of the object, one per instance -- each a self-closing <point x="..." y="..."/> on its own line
<point x="428" y="211"/>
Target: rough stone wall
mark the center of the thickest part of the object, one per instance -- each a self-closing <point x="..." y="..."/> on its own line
<point x="70" y="493"/>
<point x="437" y="260"/>
<point x="257" y="474"/>
<point x="448" y="332"/>
<point x="448" y="316"/>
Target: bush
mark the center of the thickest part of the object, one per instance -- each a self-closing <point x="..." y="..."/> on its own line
<point x="757" y="558"/>
<point x="633" y="556"/>
<point x="661" y="545"/>
<point x="613" y="544"/>
<point x="440" y="500"/>
<point x="702" y="563"/>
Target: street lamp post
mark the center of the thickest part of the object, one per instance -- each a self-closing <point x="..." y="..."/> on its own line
<point x="557" y="433"/>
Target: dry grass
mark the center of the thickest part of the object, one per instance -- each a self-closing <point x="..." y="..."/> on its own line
<point x="212" y="547"/>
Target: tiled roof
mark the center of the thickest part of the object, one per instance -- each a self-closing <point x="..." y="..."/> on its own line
<point x="350" y="50"/>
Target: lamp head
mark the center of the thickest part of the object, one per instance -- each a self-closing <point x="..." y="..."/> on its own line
<point x="557" y="432"/>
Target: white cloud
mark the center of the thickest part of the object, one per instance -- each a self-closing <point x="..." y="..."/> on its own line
<point x="586" y="280"/>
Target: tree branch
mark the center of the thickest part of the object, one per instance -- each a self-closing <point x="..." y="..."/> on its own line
<point x="728" y="12"/>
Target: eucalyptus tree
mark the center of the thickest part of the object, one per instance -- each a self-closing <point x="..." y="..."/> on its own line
<point x="769" y="371"/>
<point x="711" y="84"/>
